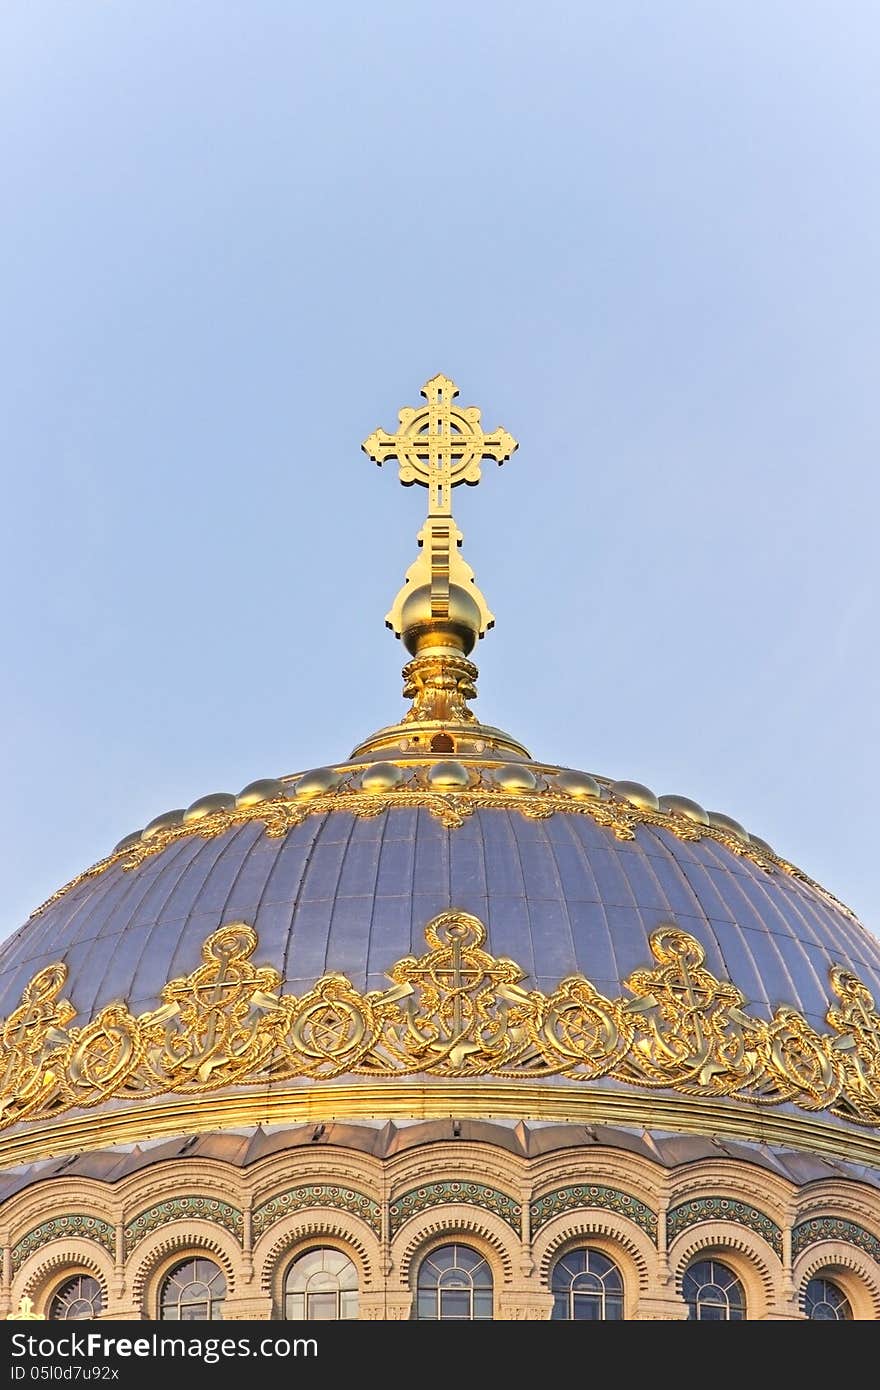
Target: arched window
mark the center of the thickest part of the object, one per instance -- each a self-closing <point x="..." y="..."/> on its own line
<point x="81" y="1297"/>
<point x="193" y="1292"/>
<point x="713" y="1293"/>
<point x="321" y="1284"/>
<point x="454" y="1285"/>
<point x="586" y="1287"/>
<point x="825" y="1302"/>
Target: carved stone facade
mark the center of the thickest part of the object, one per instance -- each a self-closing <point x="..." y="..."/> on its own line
<point x="388" y="1214"/>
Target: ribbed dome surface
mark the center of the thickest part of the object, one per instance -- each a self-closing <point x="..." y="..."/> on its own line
<point x="353" y="895"/>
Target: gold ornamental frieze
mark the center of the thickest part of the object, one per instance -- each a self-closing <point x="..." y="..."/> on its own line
<point x="456" y="1011"/>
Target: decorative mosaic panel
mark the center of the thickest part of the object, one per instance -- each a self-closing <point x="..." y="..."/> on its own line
<point x="831" y="1228"/>
<point x="584" y="1195"/>
<point x="317" y="1195"/>
<point x="723" y="1209"/>
<point x="434" y="1194"/>
<point x="183" y="1209"/>
<point x="90" y="1227"/>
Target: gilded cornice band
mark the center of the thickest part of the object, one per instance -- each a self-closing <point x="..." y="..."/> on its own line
<point x="451" y="791"/>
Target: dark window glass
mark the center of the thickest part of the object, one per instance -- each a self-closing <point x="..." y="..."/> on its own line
<point x="80" y="1298"/>
<point x="713" y="1293"/>
<point x="825" y="1302"/>
<point x="586" y="1287"/>
<point x="193" y="1292"/>
<point x="454" y="1285"/>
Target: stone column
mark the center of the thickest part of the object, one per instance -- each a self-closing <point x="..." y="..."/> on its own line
<point x="6" y="1291"/>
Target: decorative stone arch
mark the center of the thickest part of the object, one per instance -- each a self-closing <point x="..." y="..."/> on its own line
<point x="733" y="1180"/>
<point x="619" y="1239"/>
<point x="306" y="1197"/>
<point x="156" y="1255"/>
<point x="846" y="1265"/>
<point x="751" y="1258"/>
<point x="453" y="1162"/>
<point x="836" y="1198"/>
<point x="461" y="1191"/>
<point x="290" y="1168"/>
<point x="52" y="1198"/>
<point x="599" y="1166"/>
<point x="191" y="1208"/>
<point x="42" y="1275"/>
<point x="547" y="1204"/>
<point x="60" y="1230"/>
<point x="305" y="1230"/>
<point x="491" y="1236"/>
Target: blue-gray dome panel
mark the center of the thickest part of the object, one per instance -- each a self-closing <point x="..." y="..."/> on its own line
<point x="353" y="894"/>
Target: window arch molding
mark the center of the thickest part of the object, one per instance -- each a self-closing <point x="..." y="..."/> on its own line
<point x="848" y="1267"/>
<point x="484" y="1232"/>
<point x="287" y="1247"/>
<point x="629" y="1248"/>
<point x="43" y="1275"/>
<point x="167" y="1248"/>
<point x="745" y="1253"/>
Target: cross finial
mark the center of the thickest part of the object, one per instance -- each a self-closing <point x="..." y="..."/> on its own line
<point x="439" y="612"/>
<point x="439" y="445"/>
<point x="25" y="1312"/>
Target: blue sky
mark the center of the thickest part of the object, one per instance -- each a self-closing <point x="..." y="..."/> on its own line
<point x="237" y="237"/>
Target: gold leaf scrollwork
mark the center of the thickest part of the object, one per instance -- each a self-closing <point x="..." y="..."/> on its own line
<point x="800" y="1063"/>
<point x="221" y="1021"/>
<point x="858" y="1024"/>
<point x="577" y="1026"/>
<point x="463" y="1012"/>
<point x="31" y="1036"/>
<point x="454" y="1011"/>
<point x="332" y="1028"/>
<point x="106" y="1056"/>
<point x="689" y="1027"/>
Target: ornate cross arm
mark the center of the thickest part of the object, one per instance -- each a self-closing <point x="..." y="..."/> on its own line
<point x="439" y="445"/>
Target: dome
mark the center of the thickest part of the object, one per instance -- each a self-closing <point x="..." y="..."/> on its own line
<point x="335" y="881"/>
<point x="442" y="940"/>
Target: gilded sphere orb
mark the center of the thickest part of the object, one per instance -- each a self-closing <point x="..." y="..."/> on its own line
<point x="683" y="806"/>
<point x="207" y="805"/>
<point x="266" y="789"/>
<point x="448" y="774"/>
<point x="163" y="822"/>
<point x="127" y="841"/>
<point x="515" y="778"/>
<point x="578" y="784"/>
<point x="417" y="621"/>
<point x="322" y="779"/>
<point x="733" y="827"/>
<point x="761" y="845"/>
<point x="636" y="794"/>
<point x="381" y="777"/>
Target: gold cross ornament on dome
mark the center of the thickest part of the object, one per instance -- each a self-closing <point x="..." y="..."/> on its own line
<point x="439" y="445"/>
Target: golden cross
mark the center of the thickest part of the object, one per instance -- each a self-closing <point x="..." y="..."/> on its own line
<point x="25" y="1312"/>
<point x="439" y="445"/>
